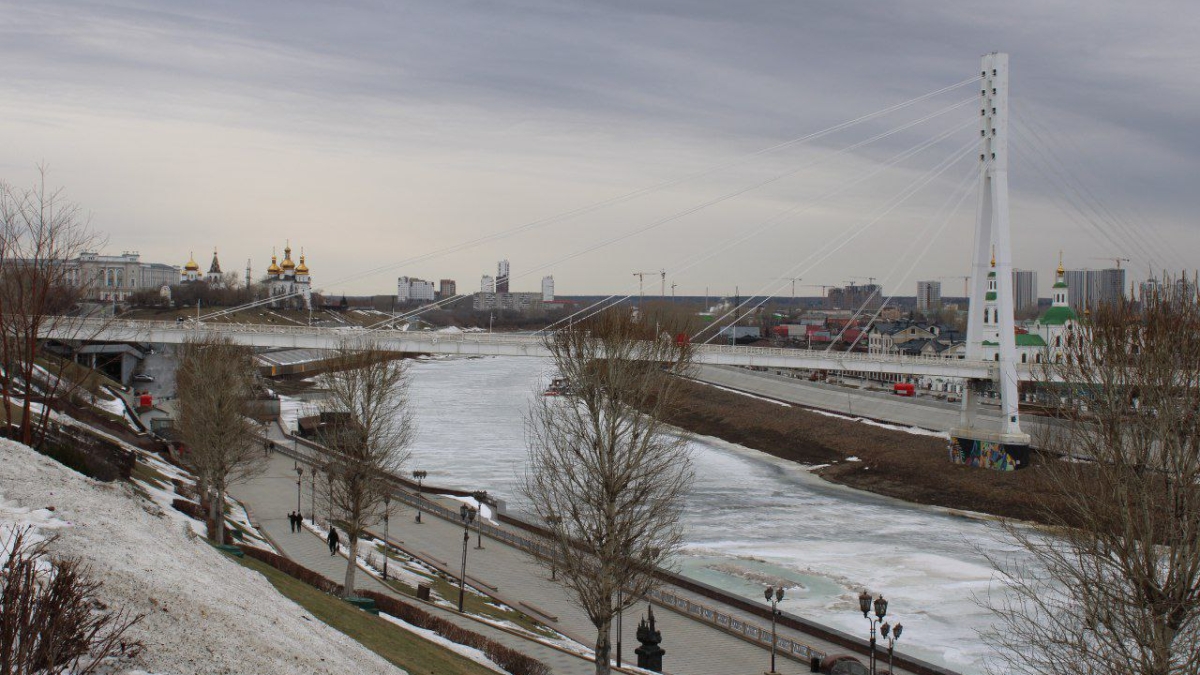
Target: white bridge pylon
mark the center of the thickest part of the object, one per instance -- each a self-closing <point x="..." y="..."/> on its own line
<point x="507" y="344"/>
<point x="992" y="258"/>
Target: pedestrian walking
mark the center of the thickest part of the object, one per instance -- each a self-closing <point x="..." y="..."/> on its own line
<point x="333" y="541"/>
<point x="292" y="521"/>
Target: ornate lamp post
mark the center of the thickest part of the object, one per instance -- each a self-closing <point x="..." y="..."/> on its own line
<point x="894" y="631"/>
<point x="299" y="475"/>
<point x="467" y="514"/>
<point x="773" y="596"/>
<point x="880" y="606"/>
<point x="387" y="512"/>
<point x="480" y="496"/>
<point x="419" y="476"/>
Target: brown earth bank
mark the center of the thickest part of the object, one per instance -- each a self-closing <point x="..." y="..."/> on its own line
<point x="898" y="464"/>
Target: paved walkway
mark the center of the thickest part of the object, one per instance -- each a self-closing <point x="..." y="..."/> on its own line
<point x="693" y="647"/>
<point x="272" y="496"/>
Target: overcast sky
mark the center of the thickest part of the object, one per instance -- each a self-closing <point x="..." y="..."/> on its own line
<point x="374" y="133"/>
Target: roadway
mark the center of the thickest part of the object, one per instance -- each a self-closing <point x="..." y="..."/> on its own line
<point x="919" y="411"/>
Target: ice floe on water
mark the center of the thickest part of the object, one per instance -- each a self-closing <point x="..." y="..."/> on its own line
<point x="749" y="517"/>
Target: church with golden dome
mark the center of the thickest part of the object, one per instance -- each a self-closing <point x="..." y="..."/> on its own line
<point x="289" y="282"/>
<point x="191" y="272"/>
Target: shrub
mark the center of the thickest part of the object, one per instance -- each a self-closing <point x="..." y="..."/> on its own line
<point x="51" y="619"/>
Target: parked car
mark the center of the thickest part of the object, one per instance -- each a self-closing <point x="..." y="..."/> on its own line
<point x="143" y="377"/>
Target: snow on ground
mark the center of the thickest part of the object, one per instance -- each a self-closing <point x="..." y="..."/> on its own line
<point x="204" y="613"/>
<point x="743" y="393"/>
<point x="469" y="652"/>
<point x="917" y="431"/>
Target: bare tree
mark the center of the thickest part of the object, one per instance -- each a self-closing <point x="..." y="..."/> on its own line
<point x="368" y="435"/>
<point x="40" y="232"/>
<point x="1114" y="586"/>
<point x="215" y="382"/>
<point x="605" y="473"/>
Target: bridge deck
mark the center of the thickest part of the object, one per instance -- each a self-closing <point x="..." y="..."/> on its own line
<point x="509" y="344"/>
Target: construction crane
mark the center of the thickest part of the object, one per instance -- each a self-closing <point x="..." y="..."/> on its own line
<point x="642" y="284"/>
<point x="793" y="280"/>
<point x="870" y="280"/>
<point x="1114" y="259"/>
<point x="965" y="279"/>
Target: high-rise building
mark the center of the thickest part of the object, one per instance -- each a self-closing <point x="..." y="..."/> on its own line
<point x="502" y="276"/>
<point x="854" y="297"/>
<point x="487" y="284"/>
<point x="929" y="296"/>
<point x="411" y="289"/>
<point x="547" y="289"/>
<point x="1088" y="289"/>
<point x="1111" y="285"/>
<point x="447" y="288"/>
<point x="1025" y="291"/>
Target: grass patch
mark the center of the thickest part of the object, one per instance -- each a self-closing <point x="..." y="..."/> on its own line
<point x="396" y="645"/>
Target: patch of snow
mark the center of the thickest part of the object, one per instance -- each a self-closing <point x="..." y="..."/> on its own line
<point x="916" y="431"/>
<point x="469" y="652"/>
<point x="204" y="612"/>
<point x="853" y="459"/>
<point x="746" y="394"/>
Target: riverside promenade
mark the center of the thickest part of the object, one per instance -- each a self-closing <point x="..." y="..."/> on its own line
<point x="693" y="647"/>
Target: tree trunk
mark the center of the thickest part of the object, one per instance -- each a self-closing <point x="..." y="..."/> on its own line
<point x="351" y="565"/>
<point x="217" y="513"/>
<point x="603" y="647"/>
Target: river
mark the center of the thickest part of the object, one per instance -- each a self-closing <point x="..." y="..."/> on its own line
<point x="751" y="519"/>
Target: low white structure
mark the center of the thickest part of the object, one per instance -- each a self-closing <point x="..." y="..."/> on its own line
<point x="548" y="288"/>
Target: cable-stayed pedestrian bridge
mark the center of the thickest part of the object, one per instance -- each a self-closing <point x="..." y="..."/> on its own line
<point x="503" y="344"/>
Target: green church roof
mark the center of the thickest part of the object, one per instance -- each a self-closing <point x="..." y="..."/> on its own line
<point x="1057" y="316"/>
<point x="1023" y="340"/>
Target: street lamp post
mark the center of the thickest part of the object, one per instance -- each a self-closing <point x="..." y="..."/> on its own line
<point x="312" y="501"/>
<point x="894" y="631"/>
<point x="480" y="496"/>
<point x="620" y="613"/>
<point x="467" y="514"/>
<point x="554" y="522"/>
<point x="865" y="604"/>
<point x="387" y="511"/>
<point x="773" y="596"/>
<point x="419" y="476"/>
<point x="299" y="475"/>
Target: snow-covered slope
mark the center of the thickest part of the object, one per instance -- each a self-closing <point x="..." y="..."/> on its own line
<point x="205" y="613"/>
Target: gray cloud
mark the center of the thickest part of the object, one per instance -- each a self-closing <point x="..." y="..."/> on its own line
<point x="521" y="108"/>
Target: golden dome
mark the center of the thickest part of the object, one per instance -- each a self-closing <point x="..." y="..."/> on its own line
<point x="192" y="265"/>
<point x="301" y="268"/>
<point x="274" y="268"/>
<point x="1061" y="271"/>
<point x="287" y="263"/>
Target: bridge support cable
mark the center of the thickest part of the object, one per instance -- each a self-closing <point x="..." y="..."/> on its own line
<point x="807" y="264"/>
<point x="950" y="207"/>
<point x="704" y="205"/>
<point x="628" y="196"/>
<point x="1148" y="235"/>
<point x="1094" y="214"/>
<point x="797" y="209"/>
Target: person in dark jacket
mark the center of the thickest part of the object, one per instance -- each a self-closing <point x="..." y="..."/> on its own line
<point x="292" y="521"/>
<point x="333" y="541"/>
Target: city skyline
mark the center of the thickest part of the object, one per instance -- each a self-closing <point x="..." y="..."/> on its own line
<point x="411" y="129"/>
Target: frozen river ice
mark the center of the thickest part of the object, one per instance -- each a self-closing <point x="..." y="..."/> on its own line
<point x="752" y="519"/>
